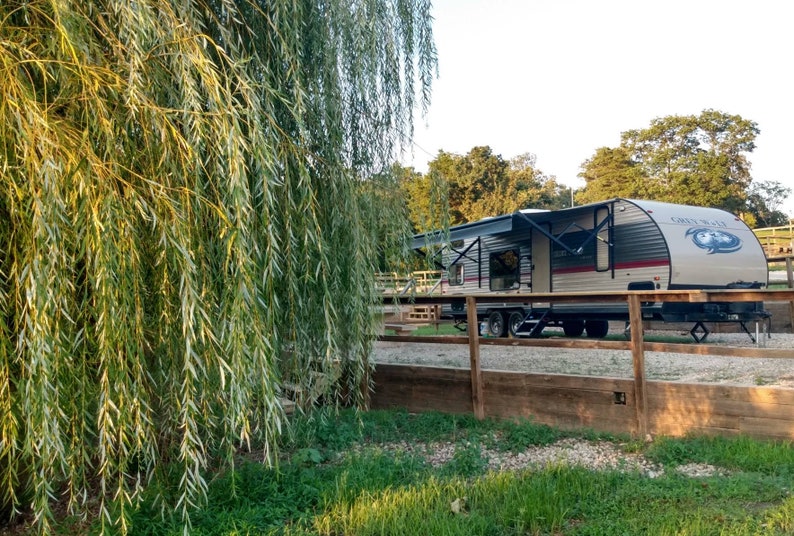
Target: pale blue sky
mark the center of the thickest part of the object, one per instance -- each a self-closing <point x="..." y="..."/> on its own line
<point x="561" y="78"/>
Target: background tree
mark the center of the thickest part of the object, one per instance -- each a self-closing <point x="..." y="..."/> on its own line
<point x="764" y="200"/>
<point x="482" y="184"/>
<point x="474" y="181"/>
<point x="695" y="160"/>
<point x="183" y="229"/>
<point x="612" y="173"/>
<point x="529" y="187"/>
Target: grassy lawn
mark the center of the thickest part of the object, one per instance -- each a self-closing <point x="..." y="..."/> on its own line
<point x="362" y="474"/>
<point x="449" y="329"/>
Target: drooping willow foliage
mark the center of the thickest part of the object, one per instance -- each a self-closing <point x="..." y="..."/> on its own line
<point x="183" y="229"/>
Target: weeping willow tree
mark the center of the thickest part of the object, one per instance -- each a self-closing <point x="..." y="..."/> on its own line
<point x="183" y="230"/>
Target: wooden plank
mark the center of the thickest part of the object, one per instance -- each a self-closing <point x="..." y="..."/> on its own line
<point x="725" y="351"/>
<point x="700" y="392"/>
<point x="418" y="374"/>
<point x="474" y="360"/>
<point x="678" y="425"/>
<point x="770" y="428"/>
<point x="741" y="408"/>
<point x="422" y="388"/>
<point x="685" y="420"/>
<point x="585" y="344"/>
<point x="676" y="409"/>
<point x="430" y="339"/>
<point x="685" y="296"/>
<point x="679" y="420"/>
<point x="777" y="258"/>
<point x="564" y="399"/>
<point x="521" y="380"/>
<point x="638" y="360"/>
<point x="729" y="407"/>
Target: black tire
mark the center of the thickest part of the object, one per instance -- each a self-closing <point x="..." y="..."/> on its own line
<point x="596" y="329"/>
<point x="514" y="322"/>
<point x="497" y="327"/>
<point x="573" y="328"/>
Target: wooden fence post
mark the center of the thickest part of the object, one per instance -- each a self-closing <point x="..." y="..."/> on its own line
<point x="477" y="402"/>
<point x="790" y="281"/>
<point x="638" y="358"/>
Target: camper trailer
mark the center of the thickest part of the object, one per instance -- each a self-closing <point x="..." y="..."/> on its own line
<point x="614" y="245"/>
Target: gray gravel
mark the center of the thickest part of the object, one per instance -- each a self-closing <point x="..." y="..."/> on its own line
<point x="592" y="455"/>
<point x="609" y="363"/>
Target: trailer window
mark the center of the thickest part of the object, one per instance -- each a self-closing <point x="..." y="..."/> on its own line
<point x="456" y="275"/>
<point x="504" y="270"/>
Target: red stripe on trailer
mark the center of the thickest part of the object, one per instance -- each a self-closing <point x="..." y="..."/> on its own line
<point x="652" y="263"/>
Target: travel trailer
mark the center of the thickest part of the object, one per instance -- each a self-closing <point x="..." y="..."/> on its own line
<point x="614" y="245"/>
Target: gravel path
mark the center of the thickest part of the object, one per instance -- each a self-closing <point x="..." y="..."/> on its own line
<point x="609" y="363"/>
<point x="593" y="455"/>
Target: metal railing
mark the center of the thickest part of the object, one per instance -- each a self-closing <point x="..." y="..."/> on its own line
<point x="422" y="282"/>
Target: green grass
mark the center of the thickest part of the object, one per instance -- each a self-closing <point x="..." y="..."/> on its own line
<point x="339" y="477"/>
<point x="449" y="329"/>
<point x="441" y="329"/>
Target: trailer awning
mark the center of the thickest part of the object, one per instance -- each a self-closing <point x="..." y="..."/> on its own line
<point x="523" y="220"/>
<point x="488" y="226"/>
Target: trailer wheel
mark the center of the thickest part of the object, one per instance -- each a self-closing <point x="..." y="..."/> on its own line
<point x="514" y="322"/>
<point x="596" y="329"/>
<point x="496" y="324"/>
<point x="573" y="328"/>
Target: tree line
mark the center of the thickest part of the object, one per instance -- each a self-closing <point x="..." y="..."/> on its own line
<point x="699" y="160"/>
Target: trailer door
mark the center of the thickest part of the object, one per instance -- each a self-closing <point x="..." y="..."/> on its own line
<point x="541" y="262"/>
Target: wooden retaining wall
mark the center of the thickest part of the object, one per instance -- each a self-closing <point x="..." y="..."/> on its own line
<point x="633" y="406"/>
<point x="602" y="404"/>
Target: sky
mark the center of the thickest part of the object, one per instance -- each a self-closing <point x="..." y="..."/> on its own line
<point x="561" y="78"/>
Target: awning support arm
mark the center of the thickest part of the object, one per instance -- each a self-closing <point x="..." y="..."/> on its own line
<point x="462" y="254"/>
<point x="592" y="234"/>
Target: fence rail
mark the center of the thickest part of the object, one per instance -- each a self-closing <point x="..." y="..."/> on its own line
<point x="776" y="241"/>
<point x="646" y="407"/>
<point x="426" y="282"/>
